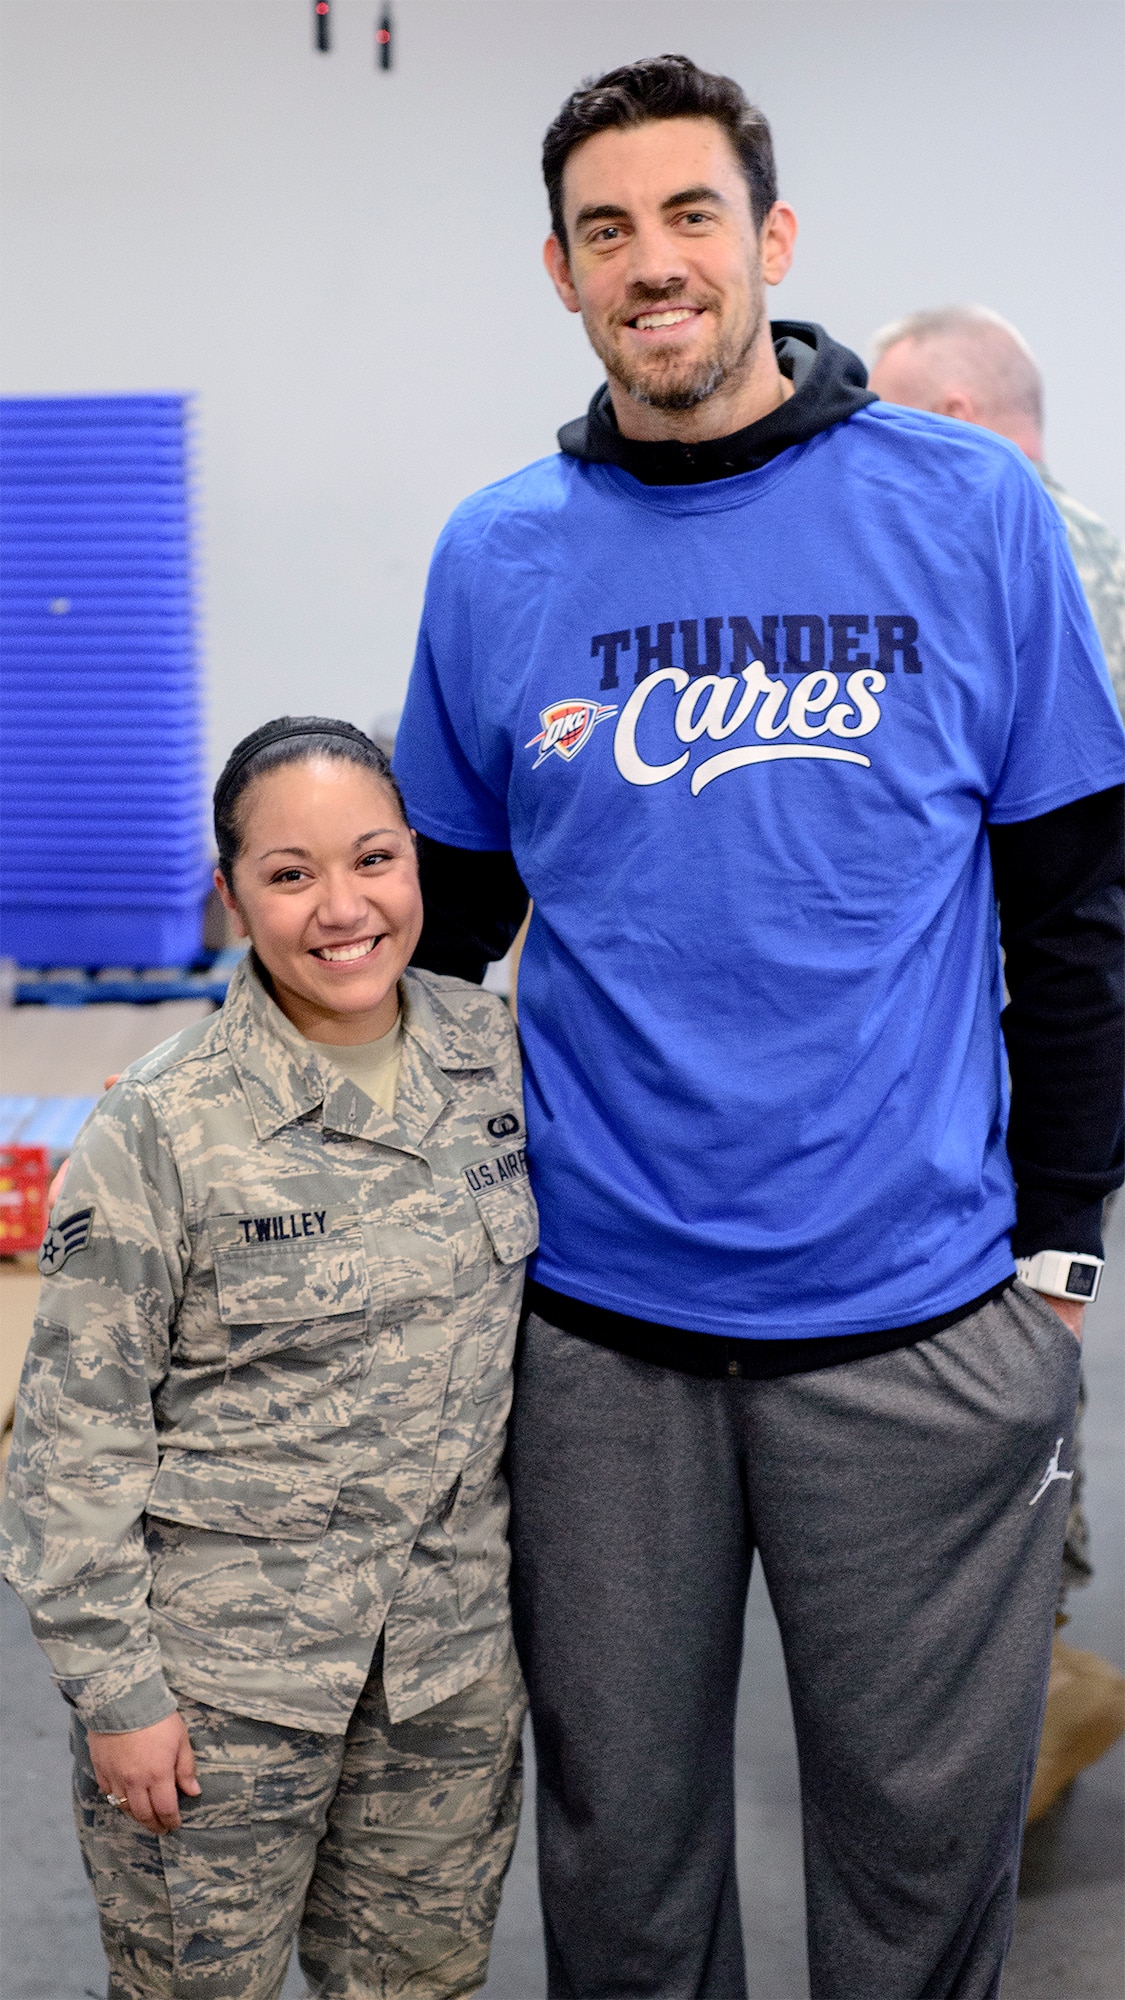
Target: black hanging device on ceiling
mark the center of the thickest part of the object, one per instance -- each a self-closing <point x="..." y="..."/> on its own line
<point x="384" y="33"/>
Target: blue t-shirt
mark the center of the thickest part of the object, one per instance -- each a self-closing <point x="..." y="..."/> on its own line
<point x="744" y="740"/>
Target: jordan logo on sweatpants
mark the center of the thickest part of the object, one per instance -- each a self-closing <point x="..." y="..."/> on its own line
<point x="1052" y="1473"/>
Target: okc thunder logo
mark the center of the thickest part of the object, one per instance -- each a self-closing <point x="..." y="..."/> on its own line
<point x="566" y="727"/>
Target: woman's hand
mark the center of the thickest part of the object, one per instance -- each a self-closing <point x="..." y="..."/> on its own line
<point x="147" y="1768"/>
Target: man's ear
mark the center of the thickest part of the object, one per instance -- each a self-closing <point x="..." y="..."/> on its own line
<point x="226" y="898"/>
<point x="957" y="403"/>
<point x="776" y="241"/>
<point x="558" y="270"/>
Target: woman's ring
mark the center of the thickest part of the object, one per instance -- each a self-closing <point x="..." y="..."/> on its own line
<point x="112" y="1799"/>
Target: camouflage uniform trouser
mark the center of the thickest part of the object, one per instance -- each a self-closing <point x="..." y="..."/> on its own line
<point x="382" y="1852"/>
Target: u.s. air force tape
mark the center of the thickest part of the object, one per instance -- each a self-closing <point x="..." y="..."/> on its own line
<point x="64" y="1239"/>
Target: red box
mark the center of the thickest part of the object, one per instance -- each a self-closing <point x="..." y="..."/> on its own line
<point x="25" y="1173"/>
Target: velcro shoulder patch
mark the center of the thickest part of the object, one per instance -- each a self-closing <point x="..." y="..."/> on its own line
<point x="63" y="1239"/>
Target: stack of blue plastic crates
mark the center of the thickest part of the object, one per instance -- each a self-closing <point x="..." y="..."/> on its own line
<point x="104" y="855"/>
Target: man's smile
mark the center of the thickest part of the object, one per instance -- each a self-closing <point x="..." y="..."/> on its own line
<point x="655" y="319"/>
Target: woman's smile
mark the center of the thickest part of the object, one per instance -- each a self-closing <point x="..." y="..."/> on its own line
<point x="346" y="954"/>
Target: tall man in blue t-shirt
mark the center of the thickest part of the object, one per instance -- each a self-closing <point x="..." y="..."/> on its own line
<point x="768" y="693"/>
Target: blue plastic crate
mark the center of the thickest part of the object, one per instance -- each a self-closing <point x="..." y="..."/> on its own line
<point x="101" y="934"/>
<point x="176" y="668"/>
<point x="163" y="790"/>
<point x="96" y="887"/>
<point x="206" y="978"/>
<point x="118" y="521"/>
<point x="109" y="880"/>
<point x="145" y="406"/>
<point x="35" y="592"/>
<point x="104" y="857"/>
<point x="174" y="791"/>
<point x="171" y="888"/>
<point x="153" y="854"/>
<point x="40" y="605"/>
<point x="36" y="810"/>
<point x="106" y="738"/>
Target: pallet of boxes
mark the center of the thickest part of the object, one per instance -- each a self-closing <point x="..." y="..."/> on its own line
<point x="24" y="1178"/>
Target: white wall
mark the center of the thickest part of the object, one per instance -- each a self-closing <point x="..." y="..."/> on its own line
<point x="345" y="264"/>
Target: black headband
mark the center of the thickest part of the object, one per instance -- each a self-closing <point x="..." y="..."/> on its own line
<point x="278" y="732"/>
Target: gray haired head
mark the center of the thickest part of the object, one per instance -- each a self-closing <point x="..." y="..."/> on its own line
<point x="971" y="348"/>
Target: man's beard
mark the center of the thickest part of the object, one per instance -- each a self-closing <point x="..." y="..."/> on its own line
<point x="671" y="382"/>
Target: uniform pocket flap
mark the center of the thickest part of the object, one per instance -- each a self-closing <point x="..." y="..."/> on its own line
<point x="511" y="1219"/>
<point x="300" y="1278"/>
<point x="242" y="1496"/>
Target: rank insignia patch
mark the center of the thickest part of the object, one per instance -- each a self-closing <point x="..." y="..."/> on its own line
<point x="64" y="1239"/>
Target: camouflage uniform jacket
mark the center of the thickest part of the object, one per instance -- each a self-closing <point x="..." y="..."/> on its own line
<point x="1100" y="562"/>
<point x="263" y="1410"/>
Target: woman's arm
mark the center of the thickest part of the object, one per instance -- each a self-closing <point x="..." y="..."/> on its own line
<point x="84" y="1448"/>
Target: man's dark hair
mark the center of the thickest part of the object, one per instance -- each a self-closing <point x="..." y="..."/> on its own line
<point x="661" y="87"/>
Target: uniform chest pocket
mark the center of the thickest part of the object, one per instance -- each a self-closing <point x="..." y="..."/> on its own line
<point x="511" y="1219"/>
<point x="292" y="1291"/>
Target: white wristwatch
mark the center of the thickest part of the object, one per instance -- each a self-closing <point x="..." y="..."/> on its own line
<point x="1062" y="1274"/>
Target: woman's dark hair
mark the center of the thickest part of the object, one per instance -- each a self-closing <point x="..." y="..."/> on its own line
<point x="661" y="87"/>
<point x="289" y="739"/>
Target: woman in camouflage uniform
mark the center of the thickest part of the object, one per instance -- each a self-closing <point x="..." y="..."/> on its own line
<point x="255" y="1505"/>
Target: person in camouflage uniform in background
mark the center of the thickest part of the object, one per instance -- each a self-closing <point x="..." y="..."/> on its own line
<point x="1100" y="561"/>
<point x="967" y="362"/>
<point x="255" y="1494"/>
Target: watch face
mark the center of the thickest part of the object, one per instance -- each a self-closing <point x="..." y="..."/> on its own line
<point x="1080" y="1281"/>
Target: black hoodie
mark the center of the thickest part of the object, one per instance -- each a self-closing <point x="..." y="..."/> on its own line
<point x="1058" y="885"/>
<point x="829" y="385"/>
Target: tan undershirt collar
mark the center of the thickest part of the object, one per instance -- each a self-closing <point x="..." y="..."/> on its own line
<point x="372" y="1066"/>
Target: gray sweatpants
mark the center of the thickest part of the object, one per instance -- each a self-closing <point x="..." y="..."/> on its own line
<point x="909" y="1513"/>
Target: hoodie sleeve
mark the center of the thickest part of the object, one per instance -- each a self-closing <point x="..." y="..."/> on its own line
<point x="475" y="903"/>
<point x="1059" y="886"/>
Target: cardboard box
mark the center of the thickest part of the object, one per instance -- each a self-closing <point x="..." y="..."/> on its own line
<point x="25" y="1173"/>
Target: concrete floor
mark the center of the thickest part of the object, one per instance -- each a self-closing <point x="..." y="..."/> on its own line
<point x="1070" y="1936"/>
